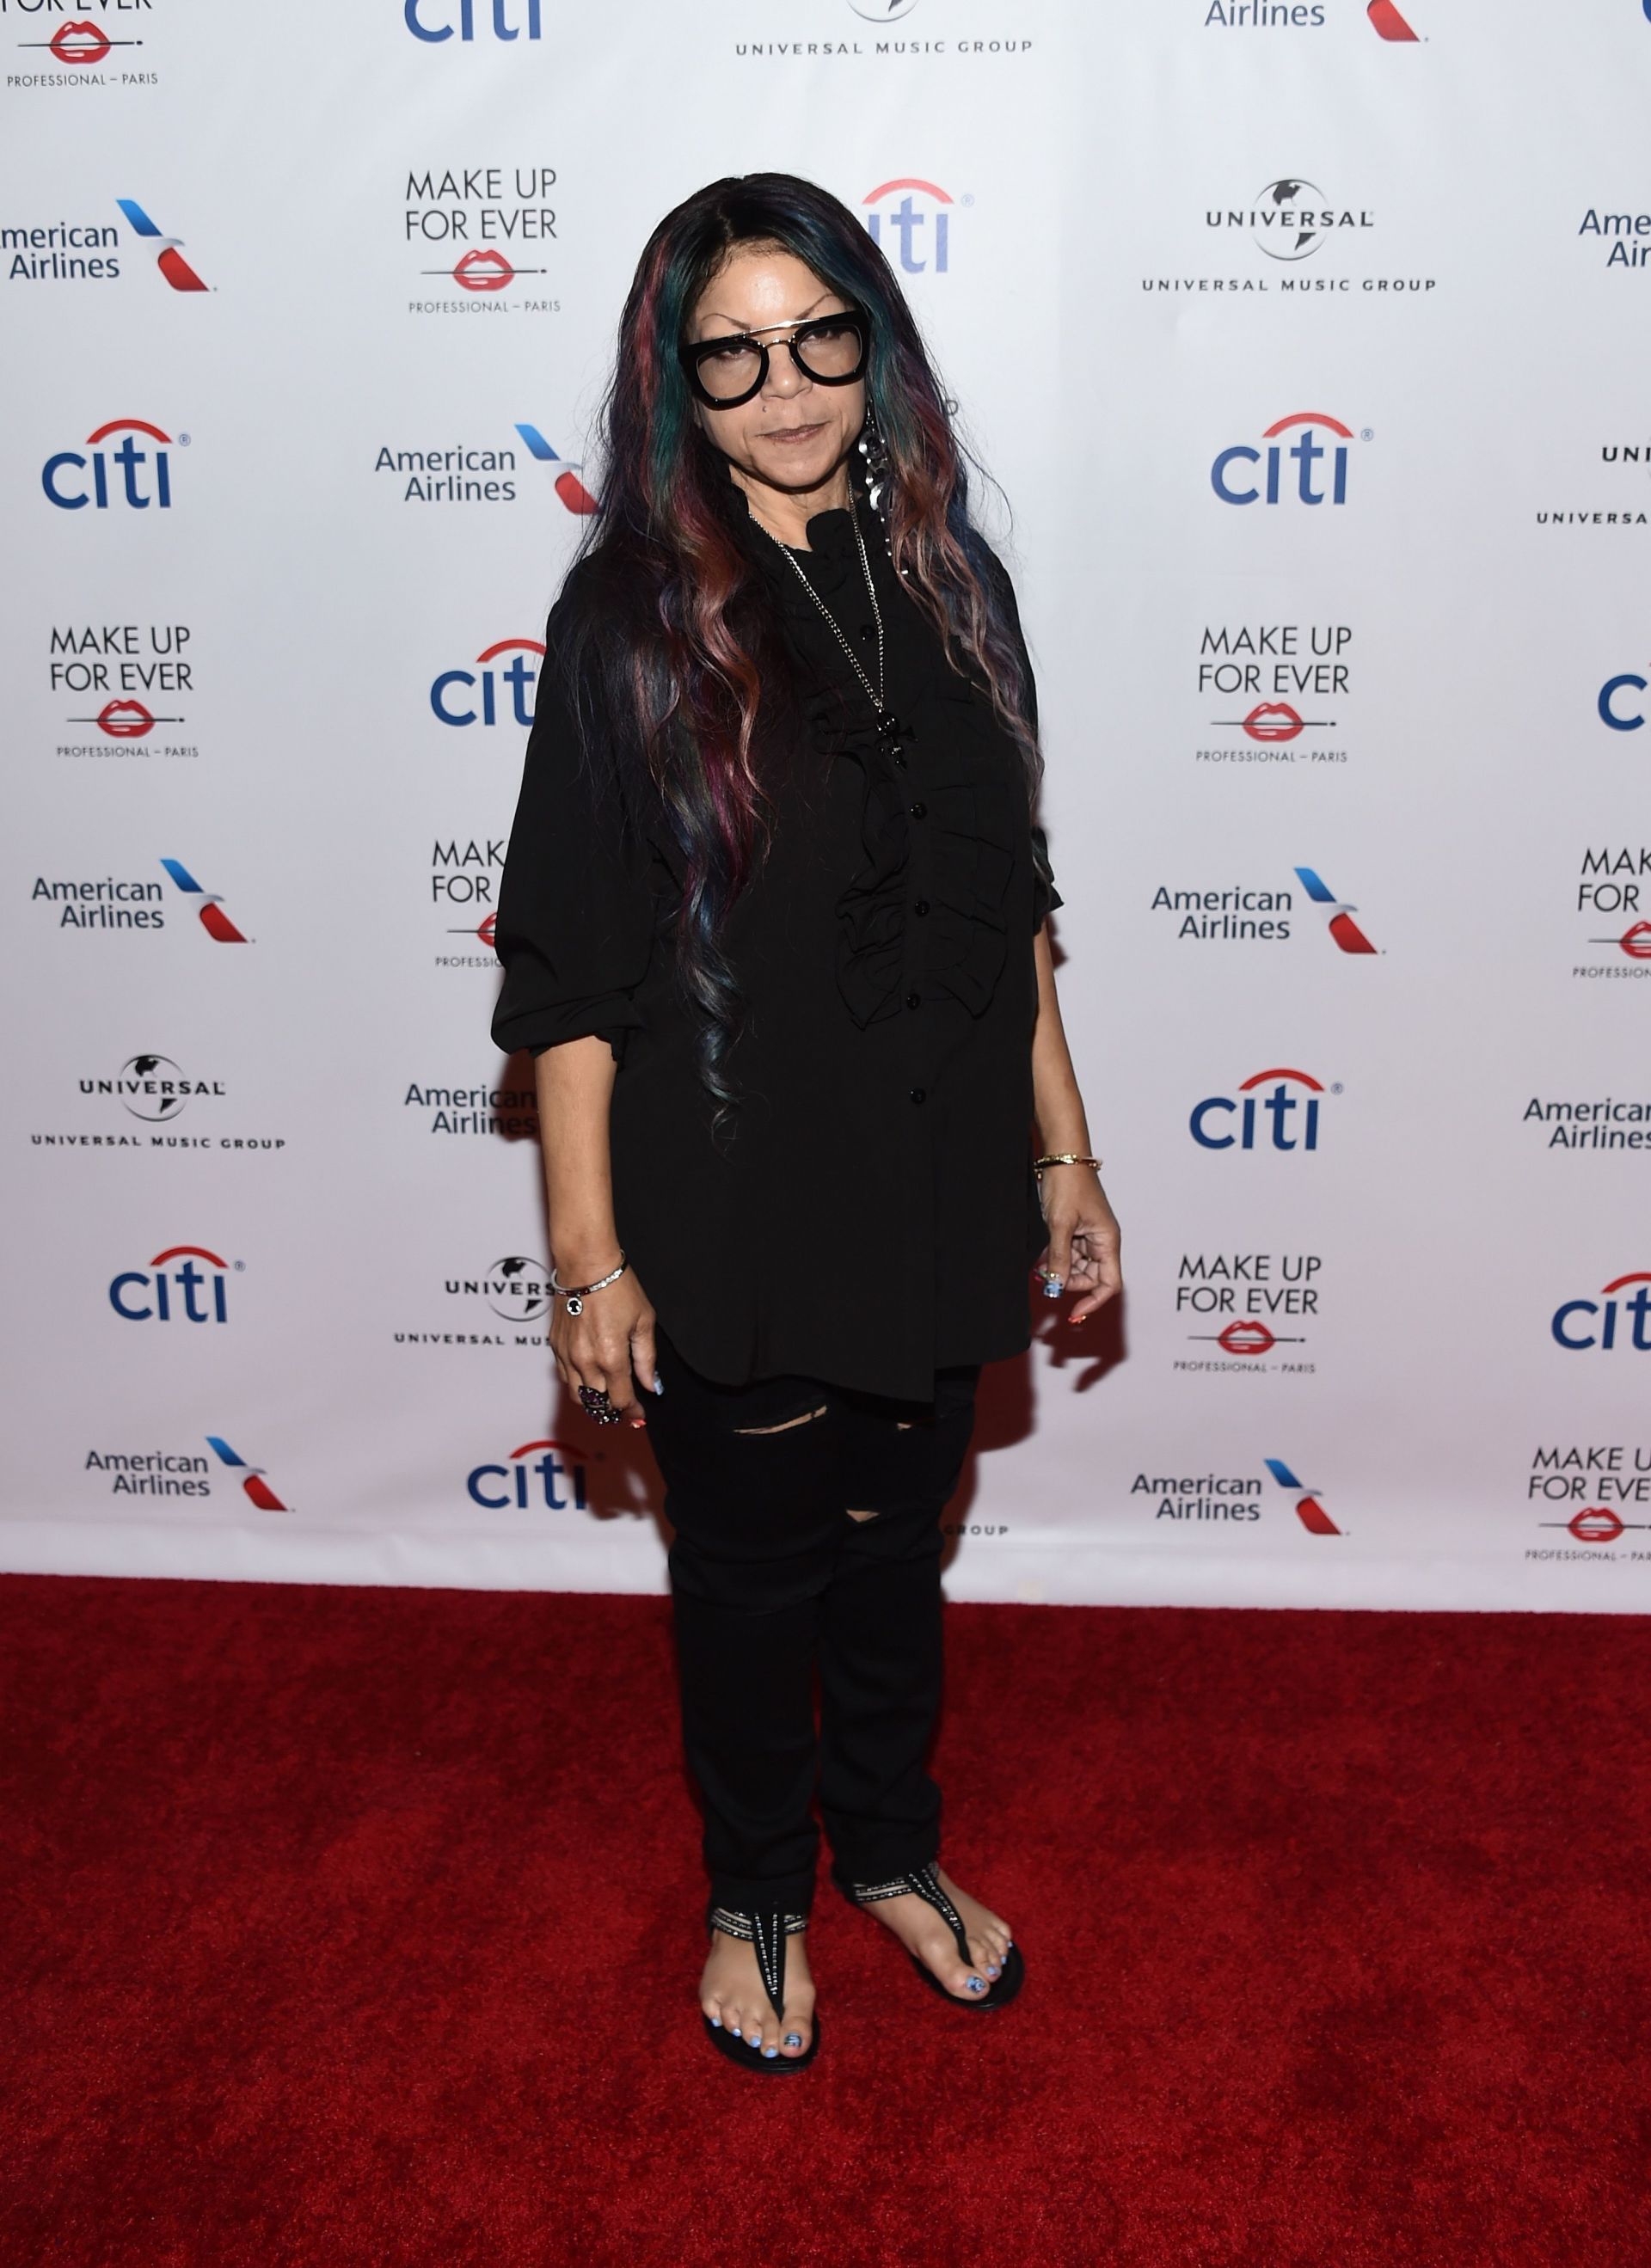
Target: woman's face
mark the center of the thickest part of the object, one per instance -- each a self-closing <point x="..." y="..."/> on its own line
<point x="793" y="434"/>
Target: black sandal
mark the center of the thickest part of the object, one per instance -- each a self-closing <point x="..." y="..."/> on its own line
<point x="767" y="1931"/>
<point x="924" y="1883"/>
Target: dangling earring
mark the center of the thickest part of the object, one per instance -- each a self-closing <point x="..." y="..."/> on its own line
<point x="874" y="456"/>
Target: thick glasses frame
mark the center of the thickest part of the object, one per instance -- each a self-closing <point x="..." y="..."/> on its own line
<point x="692" y="353"/>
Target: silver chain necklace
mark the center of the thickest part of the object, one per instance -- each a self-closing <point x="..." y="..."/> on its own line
<point x="874" y="693"/>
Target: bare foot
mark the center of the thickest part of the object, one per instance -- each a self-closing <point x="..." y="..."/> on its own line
<point x="924" y="1932"/>
<point x="731" y="1992"/>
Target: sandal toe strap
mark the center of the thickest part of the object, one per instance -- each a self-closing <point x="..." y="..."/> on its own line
<point x="766" y="1932"/>
<point x="922" y="1882"/>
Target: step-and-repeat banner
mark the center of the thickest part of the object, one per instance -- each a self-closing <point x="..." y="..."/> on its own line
<point x="1307" y="343"/>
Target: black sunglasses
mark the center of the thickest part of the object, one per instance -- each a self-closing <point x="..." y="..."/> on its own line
<point x="830" y="349"/>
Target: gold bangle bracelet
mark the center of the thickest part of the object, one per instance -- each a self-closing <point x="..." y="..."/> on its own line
<point x="1064" y="1158"/>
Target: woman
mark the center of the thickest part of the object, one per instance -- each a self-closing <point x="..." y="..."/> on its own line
<point x="772" y="920"/>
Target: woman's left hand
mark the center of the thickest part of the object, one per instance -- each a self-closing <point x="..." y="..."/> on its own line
<point x="1083" y="1251"/>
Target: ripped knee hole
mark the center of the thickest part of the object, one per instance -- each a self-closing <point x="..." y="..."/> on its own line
<point x="747" y="1432"/>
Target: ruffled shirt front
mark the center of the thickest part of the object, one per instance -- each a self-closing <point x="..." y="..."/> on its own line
<point x="873" y="1214"/>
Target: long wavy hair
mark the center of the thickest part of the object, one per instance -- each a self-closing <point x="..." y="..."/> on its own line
<point x="681" y="642"/>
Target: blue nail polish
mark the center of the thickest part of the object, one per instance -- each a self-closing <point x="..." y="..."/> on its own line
<point x="975" y="1985"/>
<point x="991" y="1969"/>
<point x="716" y="2023"/>
<point x="1052" y="1288"/>
<point x="793" y="2039"/>
<point x="659" y="1386"/>
<point x="770" y="2052"/>
<point x="734" y="2028"/>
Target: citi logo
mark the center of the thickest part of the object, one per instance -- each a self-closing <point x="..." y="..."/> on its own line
<point x="496" y="19"/>
<point x="168" y="258"/>
<point x="912" y="221"/>
<point x="451" y="691"/>
<point x="1233" y="482"/>
<point x="189" y="1294"/>
<point x="1345" y="930"/>
<point x="253" y="1486"/>
<point x="1263" y="1115"/>
<point x="1388" y="23"/>
<point x="209" y="906"/>
<point x="1580" y="1325"/>
<point x="63" y="476"/>
<point x="532" y="1476"/>
<point x="1611" y="712"/>
<point x="1309" y="1510"/>
<point x="569" y="487"/>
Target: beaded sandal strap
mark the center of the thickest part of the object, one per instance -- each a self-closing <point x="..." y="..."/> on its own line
<point x="740" y="1926"/>
<point x="922" y="1882"/>
<point x="767" y="1932"/>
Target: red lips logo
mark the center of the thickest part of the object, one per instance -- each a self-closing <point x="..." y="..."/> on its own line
<point x="483" y="271"/>
<point x="1246" y="1335"/>
<point x="1636" y="942"/>
<point x="1596" y="1523"/>
<point x="80" y="43"/>
<point x="1272" y="720"/>
<point x="1388" y="21"/>
<point x="486" y="931"/>
<point x="124" y="720"/>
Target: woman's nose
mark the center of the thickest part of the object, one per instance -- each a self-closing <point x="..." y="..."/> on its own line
<point x="784" y="379"/>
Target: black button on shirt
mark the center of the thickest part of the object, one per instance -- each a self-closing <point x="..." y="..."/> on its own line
<point x="946" y="1224"/>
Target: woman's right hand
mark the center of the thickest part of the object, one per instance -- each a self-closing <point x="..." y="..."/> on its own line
<point x="608" y="1344"/>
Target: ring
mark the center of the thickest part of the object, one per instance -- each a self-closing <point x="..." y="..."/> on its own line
<point x="598" y="1405"/>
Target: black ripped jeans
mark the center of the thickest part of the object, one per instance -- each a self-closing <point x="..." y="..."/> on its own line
<point x="770" y="1579"/>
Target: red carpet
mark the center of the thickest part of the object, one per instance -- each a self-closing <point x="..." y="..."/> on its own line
<point x="358" y="1926"/>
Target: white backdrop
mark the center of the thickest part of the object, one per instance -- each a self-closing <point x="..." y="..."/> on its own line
<point x="276" y="1199"/>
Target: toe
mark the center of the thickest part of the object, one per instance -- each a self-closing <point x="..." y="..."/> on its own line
<point x="713" y="2008"/>
<point x="988" y="1947"/>
<point x="962" y="1982"/>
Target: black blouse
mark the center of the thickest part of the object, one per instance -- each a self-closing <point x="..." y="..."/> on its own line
<point x="874" y="1215"/>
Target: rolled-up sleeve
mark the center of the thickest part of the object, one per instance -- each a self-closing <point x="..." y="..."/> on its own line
<point x="576" y="924"/>
<point x="1045" y="896"/>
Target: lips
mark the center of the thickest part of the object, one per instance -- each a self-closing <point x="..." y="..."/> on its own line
<point x="1246" y="1335"/>
<point x="483" y="271"/>
<point x="1272" y="720"/>
<point x="1636" y="942"/>
<point x="486" y="931"/>
<point x="80" y="43"/>
<point x="1596" y="1523"/>
<point x="124" y="720"/>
